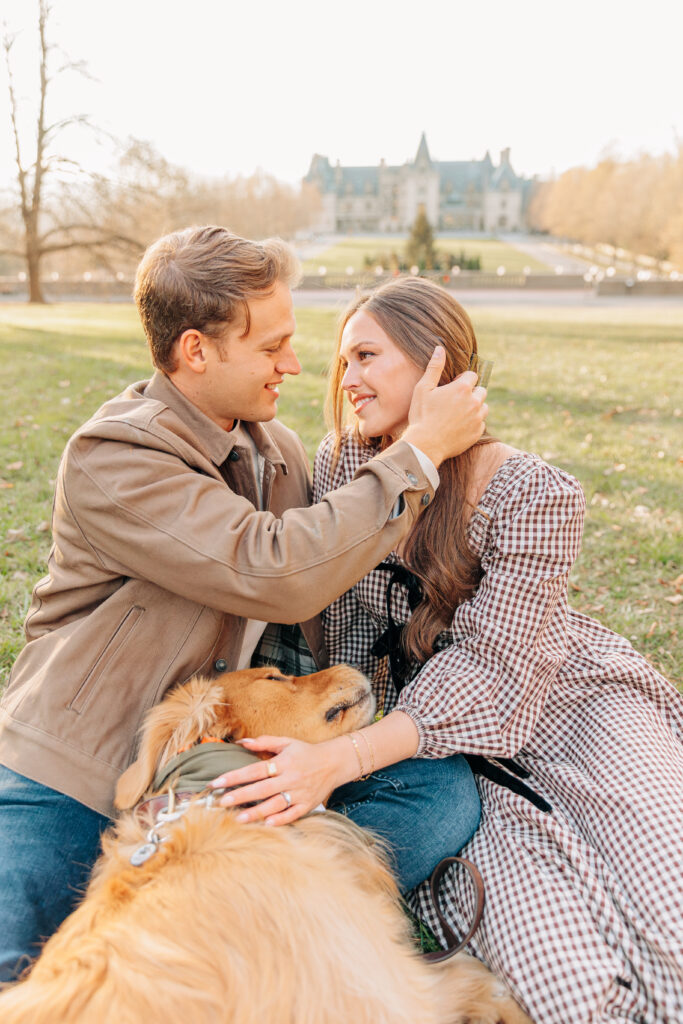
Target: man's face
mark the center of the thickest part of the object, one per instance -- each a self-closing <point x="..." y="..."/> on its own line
<point x="244" y="371"/>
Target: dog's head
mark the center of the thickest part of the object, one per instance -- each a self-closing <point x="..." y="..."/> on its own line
<point x="247" y="703"/>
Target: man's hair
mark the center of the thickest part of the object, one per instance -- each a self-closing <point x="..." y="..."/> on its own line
<point x="201" y="278"/>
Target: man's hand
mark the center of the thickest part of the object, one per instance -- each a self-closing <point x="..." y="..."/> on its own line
<point x="445" y="421"/>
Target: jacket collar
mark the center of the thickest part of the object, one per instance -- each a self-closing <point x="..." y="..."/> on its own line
<point x="218" y="443"/>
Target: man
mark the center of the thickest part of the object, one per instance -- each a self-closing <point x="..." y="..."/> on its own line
<point x="179" y="530"/>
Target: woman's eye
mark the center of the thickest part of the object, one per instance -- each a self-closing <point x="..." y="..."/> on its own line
<point x="362" y="355"/>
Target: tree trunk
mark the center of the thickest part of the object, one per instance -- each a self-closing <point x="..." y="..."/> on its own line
<point x="35" y="288"/>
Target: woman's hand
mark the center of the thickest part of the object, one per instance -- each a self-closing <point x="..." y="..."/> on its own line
<point x="307" y="772"/>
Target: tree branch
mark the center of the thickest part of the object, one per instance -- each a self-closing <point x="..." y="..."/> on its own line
<point x="8" y="42"/>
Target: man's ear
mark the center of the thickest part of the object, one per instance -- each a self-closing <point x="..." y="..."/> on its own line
<point x="190" y="351"/>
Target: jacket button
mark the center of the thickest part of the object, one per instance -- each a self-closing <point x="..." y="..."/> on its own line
<point x="234" y="455"/>
<point x="412" y="479"/>
<point x="425" y="499"/>
<point x="221" y="665"/>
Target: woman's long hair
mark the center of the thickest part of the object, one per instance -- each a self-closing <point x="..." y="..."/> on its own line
<point x="417" y="315"/>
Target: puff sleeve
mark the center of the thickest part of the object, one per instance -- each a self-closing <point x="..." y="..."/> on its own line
<point x="485" y="691"/>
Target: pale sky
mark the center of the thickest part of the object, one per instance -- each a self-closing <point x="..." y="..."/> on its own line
<point x="224" y="87"/>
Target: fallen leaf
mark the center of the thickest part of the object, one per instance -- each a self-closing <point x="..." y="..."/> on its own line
<point x="676" y="599"/>
<point x="43" y="526"/>
<point x="5" y="484"/>
<point x="652" y="630"/>
<point x="576" y="587"/>
<point x="15" y="535"/>
<point x="631" y="560"/>
<point x="64" y="384"/>
<point x="14" y="465"/>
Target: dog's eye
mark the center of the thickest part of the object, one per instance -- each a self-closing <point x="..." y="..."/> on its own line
<point x="334" y="713"/>
<point x="277" y="678"/>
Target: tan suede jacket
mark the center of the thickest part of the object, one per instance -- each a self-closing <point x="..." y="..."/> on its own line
<point x="159" y="556"/>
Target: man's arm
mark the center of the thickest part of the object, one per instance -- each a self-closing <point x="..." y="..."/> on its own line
<point x="147" y="514"/>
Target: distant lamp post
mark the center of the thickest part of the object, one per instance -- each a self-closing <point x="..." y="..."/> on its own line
<point x="322" y="271"/>
<point x="559" y="270"/>
<point x="455" y="269"/>
<point x="414" y="270"/>
<point x="500" y="271"/>
<point x="87" y="276"/>
<point x="610" y="271"/>
<point x="526" y="271"/>
<point x="379" y="271"/>
<point x="120" y="276"/>
<point x="54" y="276"/>
<point x="21" y="275"/>
<point x="349" y="271"/>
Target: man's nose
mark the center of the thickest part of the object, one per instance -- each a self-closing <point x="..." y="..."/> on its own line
<point x="288" y="362"/>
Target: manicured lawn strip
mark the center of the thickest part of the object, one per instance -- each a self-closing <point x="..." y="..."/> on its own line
<point x="350" y="252"/>
<point x="595" y="391"/>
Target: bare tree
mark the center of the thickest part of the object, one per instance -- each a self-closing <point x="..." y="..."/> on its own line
<point x="44" y="227"/>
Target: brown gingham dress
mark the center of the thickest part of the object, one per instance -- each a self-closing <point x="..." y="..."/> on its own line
<point x="584" y="906"/>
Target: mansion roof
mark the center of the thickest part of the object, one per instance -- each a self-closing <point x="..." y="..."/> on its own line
<point x="455" y="176"/>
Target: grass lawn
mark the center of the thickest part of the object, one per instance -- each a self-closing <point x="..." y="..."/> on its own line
<point x="351" y="252"/>
<point x="595" y="391"/>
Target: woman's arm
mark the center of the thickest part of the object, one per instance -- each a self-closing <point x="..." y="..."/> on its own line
<point x="309" y="772"/>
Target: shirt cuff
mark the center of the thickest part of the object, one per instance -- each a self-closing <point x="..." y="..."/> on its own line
<point x="429" y="470"/>
<point x="428" y="467"/>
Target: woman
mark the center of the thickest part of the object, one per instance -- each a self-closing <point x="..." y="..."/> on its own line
<point x="580" y="856"/>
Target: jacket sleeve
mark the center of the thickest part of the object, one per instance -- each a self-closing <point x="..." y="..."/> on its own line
<point x="145" y="513"/>
<point x="485" y="691"/>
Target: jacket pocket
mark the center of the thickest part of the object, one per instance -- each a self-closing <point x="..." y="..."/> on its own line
<point x="118" y="639"/>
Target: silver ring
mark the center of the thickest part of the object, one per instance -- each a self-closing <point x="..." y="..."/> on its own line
<point x="288" y="798"/>
<point x="271" y="768"/>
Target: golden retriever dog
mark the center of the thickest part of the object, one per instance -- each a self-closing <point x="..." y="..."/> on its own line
<point x="217" y="921"/>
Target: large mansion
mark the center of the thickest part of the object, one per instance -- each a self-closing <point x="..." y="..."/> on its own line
<point x="470" y="195"/>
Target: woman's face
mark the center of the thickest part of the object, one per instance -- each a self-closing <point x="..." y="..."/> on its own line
<point x="378" y="379"/>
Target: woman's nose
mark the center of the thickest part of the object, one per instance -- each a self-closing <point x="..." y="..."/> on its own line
<point x="350" y="379"/>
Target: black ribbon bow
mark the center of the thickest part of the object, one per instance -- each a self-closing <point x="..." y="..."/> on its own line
<point x="505" y="771"/>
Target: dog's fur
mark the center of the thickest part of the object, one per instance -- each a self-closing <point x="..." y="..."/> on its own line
<point x="243" y="923"/>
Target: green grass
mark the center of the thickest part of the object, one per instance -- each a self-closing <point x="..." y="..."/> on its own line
<point x="351" y="252"/>
<point x="594" y="391"/>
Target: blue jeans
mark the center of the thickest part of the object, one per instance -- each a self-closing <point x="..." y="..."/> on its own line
<point x="48" y="845"/>
<point x="426" y="809"/>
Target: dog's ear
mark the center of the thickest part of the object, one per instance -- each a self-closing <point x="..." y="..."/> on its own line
<point x="137" y="778"/>
<point x="185" y="714"/>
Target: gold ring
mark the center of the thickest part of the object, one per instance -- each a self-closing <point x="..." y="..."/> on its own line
<point x="271" y="768"/>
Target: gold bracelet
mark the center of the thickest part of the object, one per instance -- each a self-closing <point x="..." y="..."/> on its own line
<point x="371" y="751"/>
<point x="360" y="760"/>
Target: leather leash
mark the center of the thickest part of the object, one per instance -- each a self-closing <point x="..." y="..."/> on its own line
<point x="454" y="944"/>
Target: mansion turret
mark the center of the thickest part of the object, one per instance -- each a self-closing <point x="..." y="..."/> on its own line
<point x="457" y="195"/>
